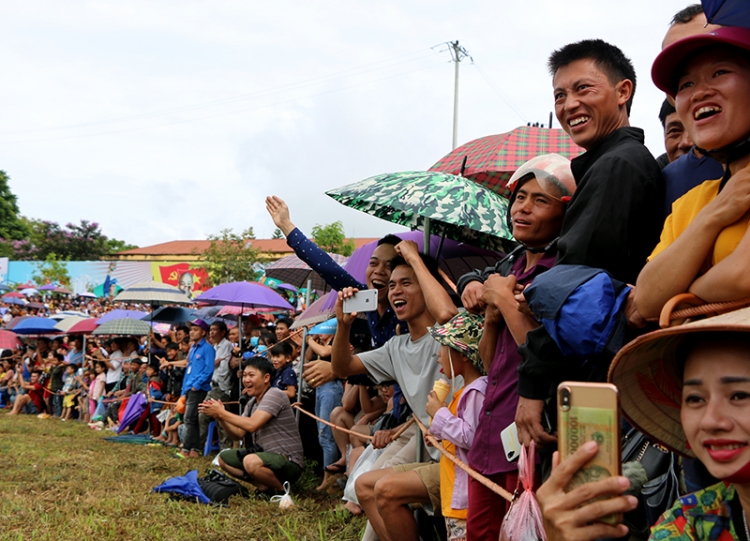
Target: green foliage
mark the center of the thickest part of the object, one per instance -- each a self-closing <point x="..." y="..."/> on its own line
<point x="277" y="234"/>
<point x="230" y="257"/>
<point x="331" y="238"/>
<point x="75" y="242"/>
<point x="116" y="245"/>
<point x="52" y="270"/>
<point x="12" y="226"/>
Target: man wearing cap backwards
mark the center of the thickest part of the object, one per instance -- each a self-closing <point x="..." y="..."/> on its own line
<point x="614" y="218"/>
<point x="197" y="383"/>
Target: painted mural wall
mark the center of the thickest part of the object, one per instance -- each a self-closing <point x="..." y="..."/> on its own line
<point x="112" y="276"/>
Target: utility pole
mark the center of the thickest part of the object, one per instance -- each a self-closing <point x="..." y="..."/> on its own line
<point x="458" y="53"/>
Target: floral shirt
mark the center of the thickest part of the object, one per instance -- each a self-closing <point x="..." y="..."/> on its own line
<point x="702" y="515"/>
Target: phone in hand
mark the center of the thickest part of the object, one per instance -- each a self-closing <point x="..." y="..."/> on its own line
<point x="362" y="301"/>
<point x="590" y="411"/>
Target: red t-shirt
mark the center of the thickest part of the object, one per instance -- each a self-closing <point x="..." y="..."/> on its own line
<point x="36" y="396"/>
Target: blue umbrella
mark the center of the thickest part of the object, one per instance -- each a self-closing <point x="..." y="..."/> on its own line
<point x="727" y="12"/>
<point x="6" y="287"/>
<point x="133" y="411"/>
<point x="36" y="325"/>
<point x="15" y="300"/>
<point x="184" y="485"/>
<point x="120" y="314"/>
<point x="327" y="327"/>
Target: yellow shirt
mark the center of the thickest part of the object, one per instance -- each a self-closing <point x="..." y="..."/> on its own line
<point x="448" y="471"/>
<point x="686" y="208"/>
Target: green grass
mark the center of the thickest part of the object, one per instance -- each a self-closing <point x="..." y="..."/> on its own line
<point x="63" y="482"/>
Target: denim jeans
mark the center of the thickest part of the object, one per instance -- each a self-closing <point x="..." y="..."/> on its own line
<point x="327" y="397"/>
<point x="190" y="420"/>
<point x="57" y="401"/>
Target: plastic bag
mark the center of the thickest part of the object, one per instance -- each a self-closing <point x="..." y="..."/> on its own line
<point x="363" y="465"/>
<point x="101" y="411"/>
<point x="523" y="522"/>
<point x="285" y="501"/>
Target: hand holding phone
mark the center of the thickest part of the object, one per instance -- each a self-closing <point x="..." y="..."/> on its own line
<point x="362" y="301"/>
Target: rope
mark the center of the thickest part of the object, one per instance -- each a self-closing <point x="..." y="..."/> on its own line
<point x="333" y="426"/>
<point x="494" y="487"/>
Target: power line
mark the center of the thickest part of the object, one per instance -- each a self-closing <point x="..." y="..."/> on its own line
<point x="503" y="96"/>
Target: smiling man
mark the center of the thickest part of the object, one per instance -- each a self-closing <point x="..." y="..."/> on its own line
<point x="614" y="218"/>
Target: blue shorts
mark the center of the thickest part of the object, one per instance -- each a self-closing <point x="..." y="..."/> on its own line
<point x="30" y="408"/>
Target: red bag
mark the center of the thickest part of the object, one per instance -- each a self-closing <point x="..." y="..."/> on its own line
<point x="523" y="522"/>
<point x="120" y="411"/>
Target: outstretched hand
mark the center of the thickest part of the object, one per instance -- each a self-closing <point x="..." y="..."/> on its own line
<point x="279" y="212"/>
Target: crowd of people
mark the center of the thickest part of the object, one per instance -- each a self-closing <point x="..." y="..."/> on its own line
<point x="606" y="242"/>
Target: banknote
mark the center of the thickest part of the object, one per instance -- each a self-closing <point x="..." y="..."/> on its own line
<point x="582" y="424"/>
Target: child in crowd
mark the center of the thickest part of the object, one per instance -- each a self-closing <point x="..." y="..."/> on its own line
<point x="155" y="393"/>
<point x="284" y="377"/>
<point x="69" y="391"/>
<point x="56" y="374"/>
<point x="84" y="381"/>
<point x="456" y="422"/>
<point x="169" y="436"/>
<point x="96" y="388"/>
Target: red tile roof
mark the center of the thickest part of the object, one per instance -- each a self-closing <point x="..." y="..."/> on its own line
<point x="189" y="247"/>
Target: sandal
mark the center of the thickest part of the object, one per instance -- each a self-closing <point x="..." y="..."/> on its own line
<point x="335" y="468"/>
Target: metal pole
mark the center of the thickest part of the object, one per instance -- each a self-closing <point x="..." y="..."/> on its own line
<point x="304" y="350"/>
<point x="456" y="59"/>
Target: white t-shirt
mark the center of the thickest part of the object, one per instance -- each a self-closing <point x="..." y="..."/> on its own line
<point x="413" y="365"/>
<point x="113" y="374"/>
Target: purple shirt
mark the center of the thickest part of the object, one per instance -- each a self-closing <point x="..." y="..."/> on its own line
<point x="501" y="399"/>
<point x="460" y="430"/>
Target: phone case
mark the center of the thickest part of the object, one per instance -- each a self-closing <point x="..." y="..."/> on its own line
<point x="590" y="411"/>
<point x="511" y="443"/>
<point x="362" y="301"/>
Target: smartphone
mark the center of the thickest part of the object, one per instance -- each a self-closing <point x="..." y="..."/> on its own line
<point x="511" y="443"/>
<point x="362" y="301"/>
<point x="590" y="411"/>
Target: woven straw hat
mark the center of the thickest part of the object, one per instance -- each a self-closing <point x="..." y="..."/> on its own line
<point x="646" y="373"/>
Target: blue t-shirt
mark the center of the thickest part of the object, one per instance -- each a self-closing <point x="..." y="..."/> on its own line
<point x="284" y="377"/>
<point x="685" y="173"/>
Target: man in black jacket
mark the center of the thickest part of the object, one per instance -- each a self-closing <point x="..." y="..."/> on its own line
<point x="613" y="220"/>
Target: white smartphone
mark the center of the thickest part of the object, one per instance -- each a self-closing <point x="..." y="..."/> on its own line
<point x="362" y="301"/>
<point x="511" y="443"/>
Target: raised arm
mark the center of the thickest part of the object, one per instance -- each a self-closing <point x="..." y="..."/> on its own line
<point x="438" y="301"/>
<point x="343" y="363"/>
<point x="309" y="252"/>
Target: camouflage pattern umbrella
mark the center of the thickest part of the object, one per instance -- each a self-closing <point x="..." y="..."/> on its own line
<point x="458" y="208"/>
<point x="491" y="160"/>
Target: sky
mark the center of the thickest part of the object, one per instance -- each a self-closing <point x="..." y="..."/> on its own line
<point x="173" y="120"/>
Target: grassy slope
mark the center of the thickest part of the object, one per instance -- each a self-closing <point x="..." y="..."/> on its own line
<point x="61" y="481"/>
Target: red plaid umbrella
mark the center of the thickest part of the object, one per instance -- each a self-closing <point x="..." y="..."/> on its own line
<point x="492" y="160"/>
<point x="292" y="270"/>
<point x="9" y="340"/>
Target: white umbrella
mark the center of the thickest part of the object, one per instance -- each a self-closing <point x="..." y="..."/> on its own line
<point x="153" y="293"/>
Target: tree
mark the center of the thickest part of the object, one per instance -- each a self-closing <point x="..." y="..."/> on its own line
<point x="331" y="238"/>
<point x="12" y="226"/>
<point x="76" y="242"/>
<point x="116" y="245"/>
<point x="277" y="234"/>
<point x="230" y="257"/>
<point x="52" y="270"/>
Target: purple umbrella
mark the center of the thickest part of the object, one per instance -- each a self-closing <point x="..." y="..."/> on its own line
<point x="245" y="295"/>
<point x="456" y="258"/>
<point x="119" y="314"/>
<point x="48" y="287"/>
<point x="133" y="411"/>
<point x="320" y="310"/>
<point x="288" y="287"/>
